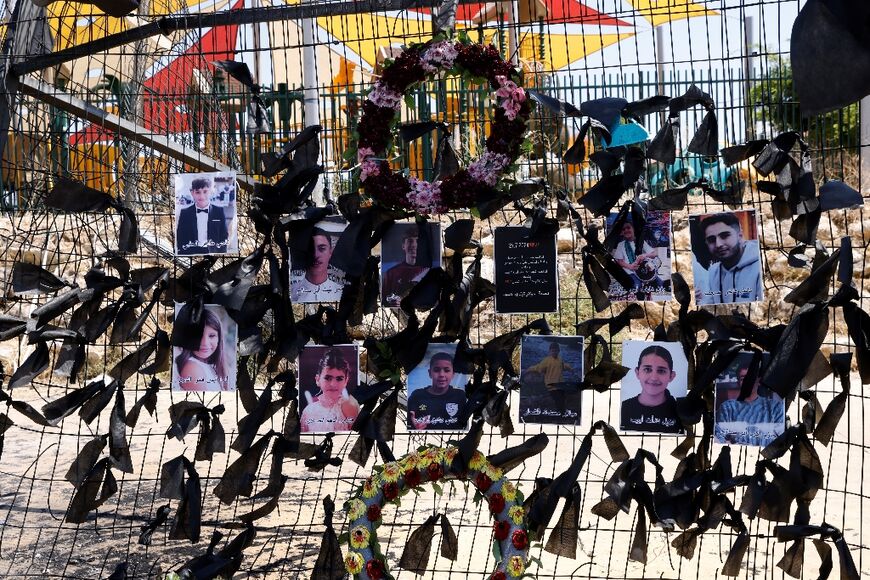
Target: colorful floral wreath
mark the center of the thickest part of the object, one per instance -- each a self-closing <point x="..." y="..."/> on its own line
<point x="381" y="112"/>
<point x="392" y="480"/>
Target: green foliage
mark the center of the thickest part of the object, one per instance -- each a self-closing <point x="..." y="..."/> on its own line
<point x="775" y="102"/>
<point x="496" y="550"/>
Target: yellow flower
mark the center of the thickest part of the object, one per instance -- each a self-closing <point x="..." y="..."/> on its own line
<point x="450" y="453"/>
<point x="371" y="487"/>
<point x="359" y="538"/>
<point x="354" y="562"/>
<point x="391" y="472"/>
<point x="433" y="455"/>
<point x="509" y="491"/>
<point x="477" y="461"/>
<point x="516" y="566"/>
<point x="516" y="513"/>
<point x="493" y="472"/>
<point x="410" y="461"/>
<point x="356" y="509"/>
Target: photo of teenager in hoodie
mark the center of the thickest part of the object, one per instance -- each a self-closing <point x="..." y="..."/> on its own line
<point x="727" y="265"/>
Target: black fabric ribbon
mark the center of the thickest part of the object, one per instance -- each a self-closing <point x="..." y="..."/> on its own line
<point x="149" y="527"/>
<point x="148" y="401"/>
<point x="825" y="531"/>
<point x="95" y="488"/>
<point x="76" y="197"/>
<point x="28" y="277"/>
<point x="186" y="415"/>
<point x="179" y="480"/>
<point x="329" y="565"/>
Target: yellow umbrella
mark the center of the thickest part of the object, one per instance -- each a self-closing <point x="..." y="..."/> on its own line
<point x="657" y="12"/>
<point x="555" y="32"/>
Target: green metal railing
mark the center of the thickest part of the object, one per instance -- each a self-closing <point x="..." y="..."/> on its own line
<point x="466" y="108"/>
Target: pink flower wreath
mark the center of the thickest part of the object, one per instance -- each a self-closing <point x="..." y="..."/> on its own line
<point x="380" y="114"/>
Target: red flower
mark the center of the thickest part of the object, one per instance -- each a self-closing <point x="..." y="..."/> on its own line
<point x="482" y="481"/>
<point x="413" y="478"/>
<point x="501" y="529"/>
<point x="520" y="540"/>
<point x="496" y="503"/>
<point x="391" y="491"/>
<point x="374" y="512"/>
<point x="435" y="471"/>
<point x="498" y="575"/>
<point x="375" y="569"/>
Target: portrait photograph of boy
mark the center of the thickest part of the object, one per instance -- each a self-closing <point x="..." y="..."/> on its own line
<point x="758" y="418"/>
<point x="726" y="264"/>
<point x="319" y="281"/>
<point x="644" y="253"/>
<point x="436" y="392"/>
<point x="205" y="214"/>
<point x="551" y="370"/>
<point x="649" y="392"/>
<point x="328" y="378"/>
<point x="212" y="366"/>
<point x="406" y="258"/>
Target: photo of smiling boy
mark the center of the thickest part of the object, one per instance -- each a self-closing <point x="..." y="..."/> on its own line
<point x="435" y="402"/>
<point x="328" y="406"/>
<point x="659" y="376"/>
<point x="727" y="258"/>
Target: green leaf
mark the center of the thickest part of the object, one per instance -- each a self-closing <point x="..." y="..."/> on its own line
<point x="496" y="550"/>
<point x="536" y="561"/>
<point x="526" y="147"/>
<point x="438" y="489"/>
<point x="475" y="212"/>
<point x="343" y="538"/>
<point x="409" y="101"/>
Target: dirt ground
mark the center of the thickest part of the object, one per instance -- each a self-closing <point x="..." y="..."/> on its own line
<point x="35" y="542"/>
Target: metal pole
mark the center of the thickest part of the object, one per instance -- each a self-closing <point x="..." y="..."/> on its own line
<point x="660" y="66"/>
<point x="513" y="35"/>
<point x="133" y="94"/>
<point x="748" y="54"/>
<point x="864" y="152"/>
<point x="310" y="93"/>
<point x="263" y="14"/>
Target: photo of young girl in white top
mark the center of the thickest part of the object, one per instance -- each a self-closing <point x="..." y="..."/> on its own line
<point x="212" y="366"/>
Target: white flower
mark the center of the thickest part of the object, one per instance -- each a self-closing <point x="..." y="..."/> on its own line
<point x="439" y="56"/>
<point x="488" y="167"/>
<point x="384" y="96"/>
<point x="425" y="197"/>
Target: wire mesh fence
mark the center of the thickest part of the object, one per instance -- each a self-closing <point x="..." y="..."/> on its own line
<point x="168" y="90"/>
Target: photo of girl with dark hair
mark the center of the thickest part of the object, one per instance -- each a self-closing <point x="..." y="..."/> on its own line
<point x="660" y="373"/>
<point x="329" y="406"/>
<point x="211" y="367"/>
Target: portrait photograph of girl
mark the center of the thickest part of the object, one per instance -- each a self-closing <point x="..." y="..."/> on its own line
<point x="649" y="392"/>
<point x="328" y="378"/>
<point x="212" y="366"/>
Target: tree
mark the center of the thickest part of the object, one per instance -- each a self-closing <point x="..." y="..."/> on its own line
<point x="776" y="103"/>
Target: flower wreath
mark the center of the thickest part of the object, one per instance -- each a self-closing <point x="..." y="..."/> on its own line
<point x="392" y="480"/>
<point x="381" y="111"/>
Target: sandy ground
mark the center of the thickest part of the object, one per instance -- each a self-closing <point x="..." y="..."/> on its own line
<point x="35" y="542"/>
